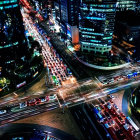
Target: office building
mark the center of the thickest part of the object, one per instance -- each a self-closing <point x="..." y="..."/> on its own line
<point x="123" y="5"/>
<point x="67" y="12"/>
<point x="57" y="7"/>
<point x="96" y="25"/>
<point x="12" y="39"/>
<point x="16" y="58"/>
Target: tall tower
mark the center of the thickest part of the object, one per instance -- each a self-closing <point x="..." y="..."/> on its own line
<point x="126" y="5"/>
<point x="69" y="19"/>
<point x="96" y="26"/>
<point x="12" y="39"/>
<point x="14" y="53"/>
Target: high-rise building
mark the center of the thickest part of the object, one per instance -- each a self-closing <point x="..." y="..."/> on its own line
<point x="15" y="56"/>
<point x="96" y="26"/>
<point x="12" y="39"/>
<point x="138" y="5"/>
<point x="72" y="11"/>
<point x="123" y="5"/>
<point x="67" y="12"/>
<point x="57" y="8"/>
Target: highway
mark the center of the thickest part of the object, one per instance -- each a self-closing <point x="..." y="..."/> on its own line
<point x="85" y="124"/>
<point x="15" y="113"/>
<point x="96" y="95"/>
<point x="70" y="102"/>
<point x="56" y="68"/>
<point x="33" y="132"/>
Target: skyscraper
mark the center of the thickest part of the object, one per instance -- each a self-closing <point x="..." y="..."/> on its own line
<point x="57" y="8"/>
<point x="12" y="39"/>
<point x="67" y="12"/>
<point x="15" y="55"/>
<point x="126" y="5"/>
<point x="96" y="27"/>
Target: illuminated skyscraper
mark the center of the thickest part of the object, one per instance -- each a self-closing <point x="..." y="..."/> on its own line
<point x="18" y="65"/>
<point x="12" y="39"/>
<point x="96" y="27"/>
<point x="126" y="5"/>
<point x="57" y="8"/>
<point x="14" y="53"/>
<point x="67" y="12"/>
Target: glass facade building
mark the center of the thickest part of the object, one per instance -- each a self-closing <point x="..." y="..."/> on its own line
<point x="57" y="8"/>
<point x="70" y="11"/>
<point x="96" y="25"/>
<point x="67" y="12"/>
<point x="11" y="25"/>
<point x="126" y="5"/>
<point x="12" y="39"/>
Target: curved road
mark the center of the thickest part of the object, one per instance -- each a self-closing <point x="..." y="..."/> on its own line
<point x="12" y="129"/>
<point x="125" y="101"/>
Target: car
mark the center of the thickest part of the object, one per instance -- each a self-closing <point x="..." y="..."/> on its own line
<point x="107" y="115"/>
<point x="126" y="126"/>
<point x="57" y="83"/>
<point x="111" y="101"/>
<point x="106" y="125"/>
<point x="122" y="114"/>
<point x="120" y="79"/>
<point x="52" y="97"/>
<point x="2" y="112"/>
<point x="111" y="81"/>
<point x="38" y="101"/>
<point x="108" y="105"/>
<point x="42" y="99"/>
<point x="104" y="82"/>
<point x="112" y="122"/>
<point x="116" y="107"/>
<point x="98" y="108"/>
<point x="111" y="96"/>
<point x="121" y="120"/>
<point x="23" y="105"/>
<point x="101" y="106"/>
<point x="18" y="138"/>
<point x="101" y="101"/>
<point x="31" y="102"/>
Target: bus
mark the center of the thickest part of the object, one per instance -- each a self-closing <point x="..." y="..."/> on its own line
<point x="98" y="114"/>
<point x="132" y="123"/>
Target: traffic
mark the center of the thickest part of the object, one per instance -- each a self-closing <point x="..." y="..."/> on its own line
<point x="56" y="68"/>
<point x="104" y="120"/>
<point x="122" y="76"/>
<point x="32" y="102"/>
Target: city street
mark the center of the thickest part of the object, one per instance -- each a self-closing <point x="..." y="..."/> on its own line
<point x="73" y="83"/>
<point x="69" y="70"/>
